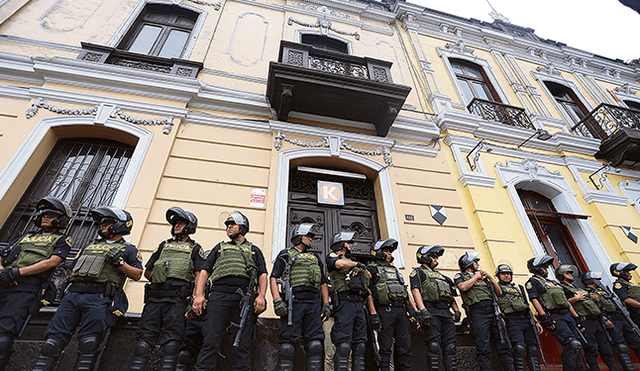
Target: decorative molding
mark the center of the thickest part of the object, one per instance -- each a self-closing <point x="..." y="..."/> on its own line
<point x="324" y="25"/>
<point x="215" y="6"/>
<point x="459" y="47"/>
<point x="322" y="9"/>
<point x="40" y="103"/>
<point x="548" y="70"/>
<point x="477" y="177"/>
<point x="625" y="89"/>
<point x="607" y="195"/>
<point x="537" y="52"/>
<point x="631" y="190"/>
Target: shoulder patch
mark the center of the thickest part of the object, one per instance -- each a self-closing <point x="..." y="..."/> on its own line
<point x="69" y="241"/>
<point x="333" y="255"/>
<point x="529" y="285"/>
<point x="201" y="253"/>
<point x="413" y="273"/>
<point x="458" y="275"/>
<point x="139" y="256"/>
<point x="617" y="285"/>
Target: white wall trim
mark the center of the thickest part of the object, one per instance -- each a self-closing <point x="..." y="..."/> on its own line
<point x="529" y="175"/>
<point x="282" y="190"/>
<point x="631" y="190"/>
<point x="29" y="145"/>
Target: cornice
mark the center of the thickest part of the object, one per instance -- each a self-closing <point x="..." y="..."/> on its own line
<point x="40" y="43"/>
<point x="15" y="67"/>
<point x="231" y="100"/>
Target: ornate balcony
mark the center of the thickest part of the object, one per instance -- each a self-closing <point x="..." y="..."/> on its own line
<point x="502" y="113"/>
<point x="618" y="129"/>
<point x="324" y="83"/>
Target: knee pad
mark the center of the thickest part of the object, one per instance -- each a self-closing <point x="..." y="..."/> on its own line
<point x="88" y="344"/>
<point x="184" y="357"/>
<point x="359" y="348"/>
<point x="574" y="344"/>
<point x="450" y="349"/>
<point x="6" y="342"/>
<point x="433" y="347"/>
<point x="343" y="349"/>
<point x="142" y="349"/>
<point x="51" y="347"/>
<point x="171" y="348"/>
<point x="287" y="350"/>
<point x="621" y="348"/>
<point x="532" y="350"/>
<point x="518" y="350"/>
<point x="314" y="346"/>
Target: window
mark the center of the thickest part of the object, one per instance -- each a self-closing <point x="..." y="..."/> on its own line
<point x="473" y="81"/>
<point x="83" y="172"/>
<point x="568" y="101"/>
<point x="632" y="105"/>
<point x="160" y="30"/>
<point x="325" y="43"/>
<point x="550" y="230"/>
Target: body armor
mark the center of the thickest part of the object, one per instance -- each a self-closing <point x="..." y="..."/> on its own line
<point x="34" y="248"/>
<point x="174" y="262"/>
<point x="479" y="292"/>
<point x="341" y="282"/>
<point x="606" y="304"/>
<point x="435" y="287"/>
<point x="233" y="261"/>
<point x="92" y="265"/>
<point x="552" y="296"/>
<point x="305" y="270"/>
<point x="390" y="285"/>
<point x="511" y="300"/>
<point x="632" y="290"/>
<point x="585" y="307"/>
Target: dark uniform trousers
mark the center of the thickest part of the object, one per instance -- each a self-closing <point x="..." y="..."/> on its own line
<point x="565" y="330"/>
<point x="14" y="306"/>
<point x="192" y="340"/>
<point x="165" y="317"/>
<point x="485" y="328"/>
<point x="520" y="330"/>
<point x="350" y="324"/>
<point x="222" y="309"/>
<point x="395" y="324"/>
<point x="442" y="329"/>
<point x="85" y="309"/>
<point x="597" y="342"/>
<point x="306" y="322"/>
<point x="623" y="333"/>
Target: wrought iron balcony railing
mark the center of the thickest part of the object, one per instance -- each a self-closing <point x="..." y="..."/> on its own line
<point x="605" y="120"/>
<point x="503" y="113"/>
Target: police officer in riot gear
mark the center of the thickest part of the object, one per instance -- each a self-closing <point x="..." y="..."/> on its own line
<point x="474" y="285"/>
<point x="590" y="316"/>
<point x="433" y="293"/>
<point x="25" y="264"/>
<point x="627" y="291"/>
<point x="390" y="306"/>
<point x="310" y="301"/>
<point x="620" y="332"/>
<point x="515" y="309"/>
<point x="349" y="279"/>
<point x="554" y="311"/>
<point x="98" y="273"/>
<point x="230" y="266"/>
<point x="171" y="270"/>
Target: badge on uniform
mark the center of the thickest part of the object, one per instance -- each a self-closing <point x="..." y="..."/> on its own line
<point x="139" y="256"/>
<point x="413" y="273"/>
<point x="69" y="241"/>
<point x="333" y="255"/>
<point x="529" y="285"/>
<point x="617" y="285"/>
<point x="202" y="253"/>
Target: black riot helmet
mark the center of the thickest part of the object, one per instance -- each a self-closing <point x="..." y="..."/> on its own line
<point x="426" y="253"/>
<point x="175" y="214"/>
<point x="121" y="219"/>
<point x="621" y="270"/>
<point x="239" y="219"/>
<point x="467" y="259"/>
<point x="339" y="239"/>
<point x="503" y="268"/>
<point x="376" y="250"/>
<point x="53" y="206"/>
<point x="536" y="264"/>
<point x="302" y="230"/>
<point x="590" y="278"/>
<point x="565" y="269"/>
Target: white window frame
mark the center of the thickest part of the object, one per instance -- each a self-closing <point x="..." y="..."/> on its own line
<point x="541" y="78"/>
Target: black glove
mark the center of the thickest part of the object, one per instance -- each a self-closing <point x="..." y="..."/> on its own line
<point x="375" y="321"/>
<point x="426" y="317"/>
<point x="280" y="307"/>
<point x="114" y="257"/>
<point x="580" y="322"/>
<point x="457" y="316"/>
<point x="7" y="276"/>
<point x="326" y="310"/>
<point x="546" y="321"/>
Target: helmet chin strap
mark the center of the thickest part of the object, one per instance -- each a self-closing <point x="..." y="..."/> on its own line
<point x="234" y="236"/>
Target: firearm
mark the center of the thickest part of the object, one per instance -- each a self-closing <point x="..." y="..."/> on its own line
<point x="532" y="321"/>
<point x="619" y="305"/>
<point x="285" y="285"/>
<point x="245" y="303"/>
<point x="374" y="342"/>
<point x="502" y="328"/>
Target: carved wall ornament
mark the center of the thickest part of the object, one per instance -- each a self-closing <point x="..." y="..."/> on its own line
<point x="611" y="72"/>
<point x="459" y="47"/>
<point x="625" y="89"/>
<point x="326" y="142"/>
<point x="322" y="9"/>
<point x="536" y="52"/>
<point x="549" y="70"/>
<point x="531" y="166"/>
<point x="40" y="103"/>
<point x="215" y="6"/>
<point x="324" y="25"/>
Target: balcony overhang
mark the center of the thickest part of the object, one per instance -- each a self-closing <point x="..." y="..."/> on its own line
<point x="300" y="82"/>
<point x="621" y="146"/>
